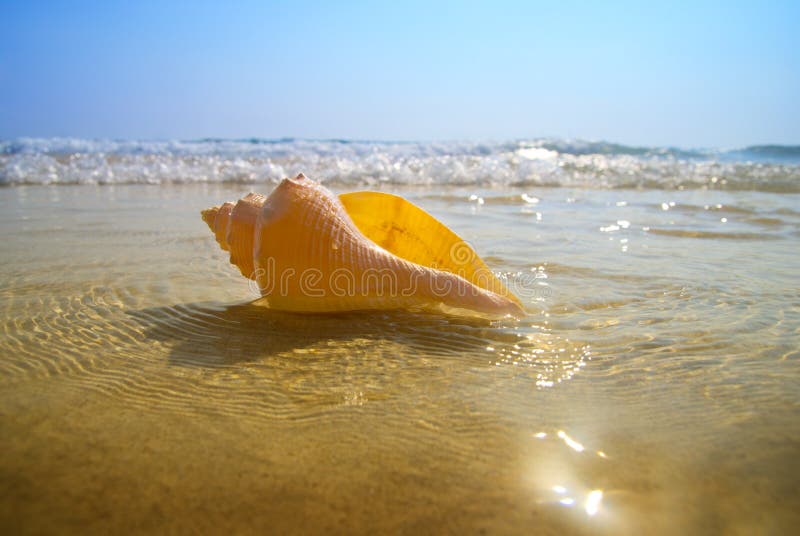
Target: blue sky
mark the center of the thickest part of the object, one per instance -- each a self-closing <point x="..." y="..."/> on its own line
<point x="679" y="73"/>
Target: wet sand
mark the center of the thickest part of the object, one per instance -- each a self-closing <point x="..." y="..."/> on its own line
<point x="652" y="388"/>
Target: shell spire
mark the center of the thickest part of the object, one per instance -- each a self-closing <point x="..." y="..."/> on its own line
<point x="310" y="251"/>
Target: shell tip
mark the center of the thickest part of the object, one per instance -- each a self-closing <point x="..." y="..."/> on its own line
<point x="209" y="215"/>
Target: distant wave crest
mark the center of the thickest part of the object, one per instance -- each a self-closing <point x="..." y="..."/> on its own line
<point x="541" y="162"/>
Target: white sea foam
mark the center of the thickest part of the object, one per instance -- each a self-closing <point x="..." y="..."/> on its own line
<point x="518" y="163"/>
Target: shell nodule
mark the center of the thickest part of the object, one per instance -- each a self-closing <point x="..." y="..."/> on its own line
<point x="311" y="251"/>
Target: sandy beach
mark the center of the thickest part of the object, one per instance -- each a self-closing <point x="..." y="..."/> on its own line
<point x="652" y="386"/>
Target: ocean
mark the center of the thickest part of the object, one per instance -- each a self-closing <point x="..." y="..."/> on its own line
<point x="542" y="162"/>
<point x="653" y="386"/>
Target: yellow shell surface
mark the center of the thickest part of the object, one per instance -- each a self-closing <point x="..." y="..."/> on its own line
<point x="401" y="227"/>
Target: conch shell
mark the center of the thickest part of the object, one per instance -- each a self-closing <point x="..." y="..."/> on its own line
<point x="310" y="251"/>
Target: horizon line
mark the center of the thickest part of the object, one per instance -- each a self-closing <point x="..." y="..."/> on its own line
<point x="389" y="141"/>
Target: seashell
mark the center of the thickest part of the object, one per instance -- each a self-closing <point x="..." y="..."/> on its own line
<point x="311" y="251"/>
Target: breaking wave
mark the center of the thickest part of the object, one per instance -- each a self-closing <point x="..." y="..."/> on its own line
<point x="541" y="162"/>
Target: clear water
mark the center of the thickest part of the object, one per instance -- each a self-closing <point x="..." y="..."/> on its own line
<point x="653" y="387"/>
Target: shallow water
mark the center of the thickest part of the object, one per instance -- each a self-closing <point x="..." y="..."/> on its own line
<point x="653" y="387"/>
